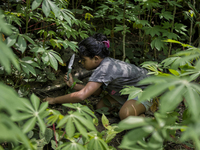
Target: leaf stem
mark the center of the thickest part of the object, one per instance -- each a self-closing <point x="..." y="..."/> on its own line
<point x="54" y="131"/>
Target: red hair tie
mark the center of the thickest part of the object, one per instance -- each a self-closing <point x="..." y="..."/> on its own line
<point x="107" y="43"/>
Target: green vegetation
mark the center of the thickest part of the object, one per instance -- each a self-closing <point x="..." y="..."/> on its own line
<point x="162" y="36"/>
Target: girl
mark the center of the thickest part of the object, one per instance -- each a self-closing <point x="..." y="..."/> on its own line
<point x="109" y="74"/>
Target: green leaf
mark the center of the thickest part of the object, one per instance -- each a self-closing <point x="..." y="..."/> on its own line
<point x="53" y="61"/>
<point x="7" y="57"/>
<point x="46" y="8"/>
<point x="89" y="125"/>
<point x="41" y="124"/>
<point x="132" y="137"/>
<point x="21" y="116"/>
<point x="69" y="128"/>
<point x="105" y="121"/>
<point x="133" y="122"/>
<point x="4" y="27"/>
<point x="54" y="8"/>
<point x="36" y="3"/>
<point x="28" y="68"/>
<point x="171" y="99"/>
<point x="63" y="121"/>
<point x="10" y="41"/>
<point x="22" y="44"/>
<point x="29" y="39"/>
<point x="43" y="107"/>
<point x="157" y="43"/>
<point x="35" y="101"/>
<point x="174" y="72"/>
<point x="80" y="128"/>
<point x="192" y="98"/>
<point x="57" y="57"/>
<point x="29" y="125"/>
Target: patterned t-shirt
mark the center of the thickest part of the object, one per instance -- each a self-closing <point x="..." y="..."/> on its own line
<point x="115" y="74"/>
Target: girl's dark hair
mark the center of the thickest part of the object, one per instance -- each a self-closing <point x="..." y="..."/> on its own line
<point x="94" y="46"/>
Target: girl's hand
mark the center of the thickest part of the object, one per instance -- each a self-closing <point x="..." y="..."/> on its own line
<point x="69" y="81"/>
<point x="50" y="100"/>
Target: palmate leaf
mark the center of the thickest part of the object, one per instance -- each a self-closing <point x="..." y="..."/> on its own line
<point x="36" y="113"/>
<point x="80" y="122"/>
<point x="153" y="30"/>
<point x="160" y="84"/>
<point x="80" y="108"/>
<point x="71" y="146"/>
<point x="9" y="131"/>
<point x="170" y="100"/>
<point x="130" y="142"/>
<point x="165" y="14"/>
<point x="157" y="43"/>
<point x="192" y="98"/>
<point x="97" y="144"/>
<point x="70" y="128"/>
<point x="132" y="91"/>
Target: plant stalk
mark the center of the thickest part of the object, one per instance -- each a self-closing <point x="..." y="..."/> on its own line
<point x="170" y="46"/>
<point x="124" y="32"/>
<point x="27" y="14"/>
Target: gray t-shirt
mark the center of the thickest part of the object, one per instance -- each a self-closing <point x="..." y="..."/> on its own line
<point x="115" y="74"/>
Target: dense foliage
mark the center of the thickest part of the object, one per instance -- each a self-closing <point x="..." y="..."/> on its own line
<point x="162" y="35"/>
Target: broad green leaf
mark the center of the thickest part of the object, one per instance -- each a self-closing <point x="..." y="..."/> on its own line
<point x="41" y="124"/>
<point x="89" y="125"/>
<point x="133" y="122"/>
<point x="132" y="91"/>
<point x="105" y="121"/>
<point x="29" y="125"/>
<point x="70" y="128"/>
<point x="157" y="43"/>
<point x="36" y="3"/>
<point x="11" y="40"/>
<point x="27" y="104"/>
<point x="21" y="116"/>
<point x="35" y="101"/>
<point x="63" y="121"/>
<point x="132" y="137"/>
<point x="7" y="57"/>
<point x="28" y="68"/>
<point x="66" y="17"/>
<point x="37" y="49"/>
<point x="90" y="145"/>
<point x="43" y="107"/>
<point x="171" y="99"/>
<point x="174" y="72"/>
<point x="29" y="39"/>
<point x="54" y="8"/>
<point x="80" y="128"/>
<point x="57" y="57"/>
<point x="155" y="90"/>
<point x="22" y="44"/>
<point x="4" y="27"/>
<point x="53" y="61"/>
<point x="45" y="58"/>
<point x="192" y="98"/>
<point x="46" y="7"/>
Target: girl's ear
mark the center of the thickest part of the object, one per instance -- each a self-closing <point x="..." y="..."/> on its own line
<point x="97" y="59"/>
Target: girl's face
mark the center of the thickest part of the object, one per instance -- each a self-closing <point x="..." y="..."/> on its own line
<point x="90" y="63"/>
